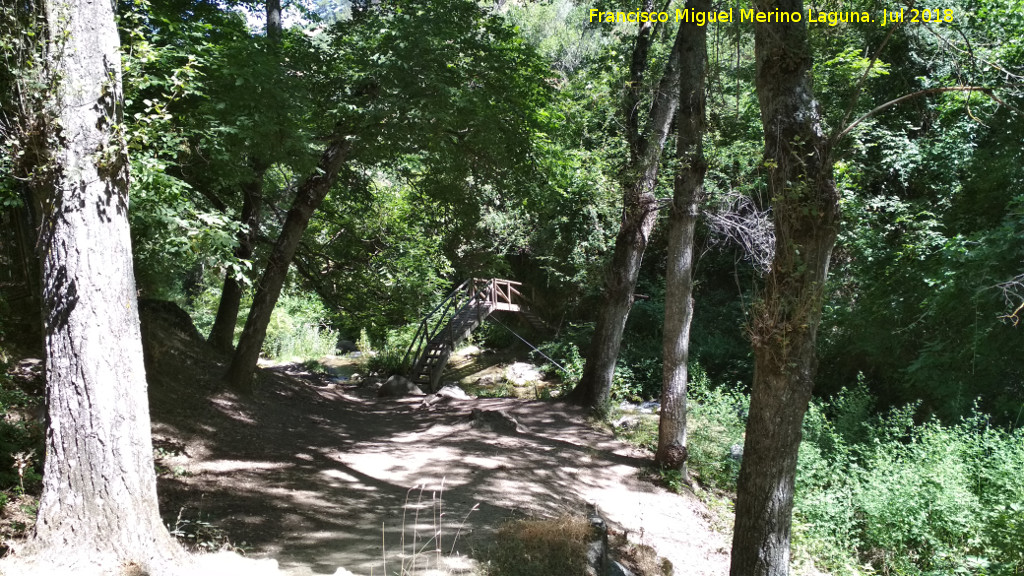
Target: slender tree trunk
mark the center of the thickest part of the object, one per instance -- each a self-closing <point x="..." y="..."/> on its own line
<point x="222" y="334"/>
<point x="274" y="23"/>
<point x="99" y="501"/>
<point x="805" y="211"/>
<point x="639" y="214"/>
<point x="310" y="194"/>
<point x="688" y="191"/>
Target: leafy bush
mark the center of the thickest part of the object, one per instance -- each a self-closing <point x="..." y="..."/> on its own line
<point x="390" y="358"/>
<point x="21" y="437"/>
<point x="298" y="329"/>
<point x="566" y="351"/>
<point x="923" y="499"/>
<point x="879" y="493"/>
<point x="716" y="422"/>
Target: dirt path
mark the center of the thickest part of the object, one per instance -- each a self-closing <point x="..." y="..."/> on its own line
<point x="318" y="475"/>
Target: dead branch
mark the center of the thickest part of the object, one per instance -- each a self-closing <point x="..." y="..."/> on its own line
<point x="738" y="220"/>
<point x="1013" y="293"/>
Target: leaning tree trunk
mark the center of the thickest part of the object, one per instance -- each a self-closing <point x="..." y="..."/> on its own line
<point x="688" y="191"/>
<point x="638" y="221"/>
<point x="639" y="214"/>
<point x="99" y="501"/>
<point x="310" y="194"/>
<point x="784" y="323"/>
<point x="222" y="334"/>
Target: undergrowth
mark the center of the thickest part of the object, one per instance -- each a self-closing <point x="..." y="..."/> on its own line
<point x="529" y="547"/>
<point x="875" y="493"/>
<point x="199" y="534"/>
<point x="22" y="425"/>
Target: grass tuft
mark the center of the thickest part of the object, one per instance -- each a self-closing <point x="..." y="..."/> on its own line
<point x="530" y="547"/>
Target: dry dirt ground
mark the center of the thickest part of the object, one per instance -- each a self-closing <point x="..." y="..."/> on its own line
<point x="320" y="474"/>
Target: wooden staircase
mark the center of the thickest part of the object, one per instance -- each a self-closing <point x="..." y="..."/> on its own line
<point x="454" y="319"/>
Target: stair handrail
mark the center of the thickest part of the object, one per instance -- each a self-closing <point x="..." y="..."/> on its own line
<point x="437" y="319"/>
<point x="479" y="291"/>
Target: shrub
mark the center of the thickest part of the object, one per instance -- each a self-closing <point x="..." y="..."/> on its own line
<point x="21" y="436"/>
<point x="298" y="329"/>
<point x="390" y="358"/>
<point x="879" y="493"/>
<point x="918" y="500"/>
<point x="716" y="423"/>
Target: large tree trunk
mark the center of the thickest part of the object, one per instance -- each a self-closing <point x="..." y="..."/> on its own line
<point x="688" y="191"/>
<point x="310" y="194"/>
<point x="784" y="324"/>
<point x="639" y="214"/>
<point x="99" y="501"/>
<point x="222" y="334"/>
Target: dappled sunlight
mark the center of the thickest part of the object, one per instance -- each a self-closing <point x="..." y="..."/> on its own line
<point x="319" y="476"/>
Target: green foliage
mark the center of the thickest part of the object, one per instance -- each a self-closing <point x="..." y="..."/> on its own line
<point x="912" y="499"/>
<point x="877" y="494"/>
<point x="202" y="535"/>
<point x="388" y="360"/>
<point x="27" y="115"/>
<point x="185" y="137"/>
<point x="500" y="389"/>
<point x="567" y="354"/>
<point x="21" y="436"/>
<point x="390" y="357"/>
<point x="298" y="329"/>
<point x="716" y="422"/>
<point x="387" y="263"/>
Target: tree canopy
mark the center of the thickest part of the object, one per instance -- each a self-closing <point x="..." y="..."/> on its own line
<point x="835" y="208"/>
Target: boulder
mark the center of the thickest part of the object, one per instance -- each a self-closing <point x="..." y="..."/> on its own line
<point x="627" y="423"/>
<point x="521" y="373"/>
<point x="347" y="346"/>
<point x="454" y="392"/>
<point x="736" y="452"/>
<point x="597" y="548"/>
<point x="489" y="380"/>
<point x="616" y="569"/>
<point x="496" y="421"/>
<point x="650" y="407"/>
<point x="398" y="386"/>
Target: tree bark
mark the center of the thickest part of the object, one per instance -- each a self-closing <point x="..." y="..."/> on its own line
<point x="308" y="198"/>
<point x="222" y="334"/>
<point x="687" y="194"/>
<point x="805" y="211"/>
<point x="639" y="214"/>
<point x="99" y="501"/>
<point x="275" y="26"/>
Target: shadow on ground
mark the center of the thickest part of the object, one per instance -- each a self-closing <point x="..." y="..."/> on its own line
<point x="320" y="475"/>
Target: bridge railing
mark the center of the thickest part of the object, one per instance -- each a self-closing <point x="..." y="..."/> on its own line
<point x="498" y="293"/>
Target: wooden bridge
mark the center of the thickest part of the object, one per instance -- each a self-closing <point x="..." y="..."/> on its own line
<point x="454" y="319"/>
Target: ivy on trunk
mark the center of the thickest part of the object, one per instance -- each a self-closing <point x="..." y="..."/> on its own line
<point x="784" y="321"/>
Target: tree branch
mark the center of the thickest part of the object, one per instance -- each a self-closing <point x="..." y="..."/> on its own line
<point x="891" y="103"/>
<point x="637" y="70"/>
<point x="859" y="88"/>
